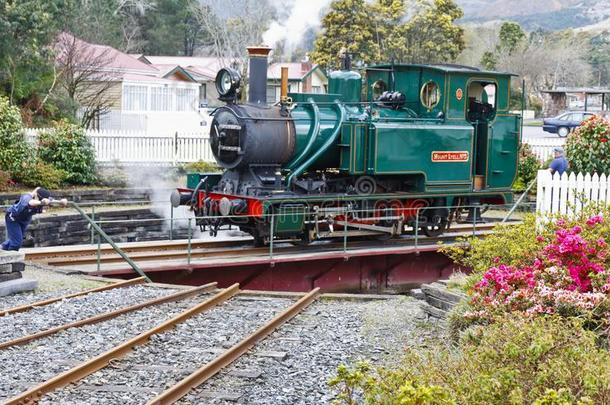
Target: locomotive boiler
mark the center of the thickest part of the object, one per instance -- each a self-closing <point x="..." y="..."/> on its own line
<point x="378" y="154"/>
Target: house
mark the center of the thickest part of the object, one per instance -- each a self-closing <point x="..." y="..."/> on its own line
<point x="120" y="92"/>
<point x="203" y="69"/>
<point x="303" y="77"/>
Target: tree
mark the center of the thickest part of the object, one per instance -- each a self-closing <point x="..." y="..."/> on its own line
<point x="229" y="34"/>
<point x="511" y="36"/>
<point x="599" y="58"/>
<point x="172" y="28"/>
<point x="382" y="31"/>
<point x="346" y="27"/>
<point x="432" y="35"/>
<point x="25" y="55"/>
<point x="387" y="16"/>
<point x="489" y="60"/>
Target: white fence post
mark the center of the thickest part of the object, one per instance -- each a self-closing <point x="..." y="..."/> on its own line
<point x="140" y="148"/>
<point x="568" y="194"/>
<point x="543" y="147"/>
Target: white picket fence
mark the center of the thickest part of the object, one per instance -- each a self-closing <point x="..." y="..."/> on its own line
<point x="139" y="148"/>
<point x="567" y="194"/>
<point x="543" y="147"/>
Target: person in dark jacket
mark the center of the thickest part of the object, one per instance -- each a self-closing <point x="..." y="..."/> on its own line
<point x="19" y="215"/>
<point x="560" y="163"/>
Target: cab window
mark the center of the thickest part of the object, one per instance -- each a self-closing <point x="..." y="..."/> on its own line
<point x="481" y="101"/>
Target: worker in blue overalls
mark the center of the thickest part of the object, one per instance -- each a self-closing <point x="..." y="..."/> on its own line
<point x="19" y="215"/>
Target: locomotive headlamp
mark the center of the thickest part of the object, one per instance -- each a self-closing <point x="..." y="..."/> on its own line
<point x="227" y="84"/>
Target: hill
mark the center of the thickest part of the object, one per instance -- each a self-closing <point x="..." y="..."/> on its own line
<point x="539" y="14"/>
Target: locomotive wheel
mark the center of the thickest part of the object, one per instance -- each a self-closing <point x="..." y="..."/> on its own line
<point x="436" y="229"/>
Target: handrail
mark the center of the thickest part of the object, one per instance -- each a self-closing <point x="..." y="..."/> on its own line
<point x="299" y="170"/>
<point x="311" y="136"/>
<point x="525" y="193"/>
<point x="108" y="239"/>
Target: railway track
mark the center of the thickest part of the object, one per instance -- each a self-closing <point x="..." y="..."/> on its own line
<point x="160" y="252"/>
<point x="217" y="330"/>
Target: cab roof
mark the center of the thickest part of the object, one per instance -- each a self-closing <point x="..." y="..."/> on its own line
<point x="445" y="68"/>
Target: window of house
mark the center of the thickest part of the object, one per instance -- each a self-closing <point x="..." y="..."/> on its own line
<point x="316" y="89"/>
<point x="135" y="98"/>
<point x="186" y="99"/>
<point x="160" y="99"/>
<point x="272" y="94"/>
<point x="203" y="94"/>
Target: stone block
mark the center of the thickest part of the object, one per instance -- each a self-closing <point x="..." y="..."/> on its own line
<point x="17" y="286"/>
<point x="20" y="267"/>
<point x="10" y="276"/>
<point x="10" y="256"/>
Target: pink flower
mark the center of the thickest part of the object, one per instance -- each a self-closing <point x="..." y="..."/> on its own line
<point x="594" y="220"/>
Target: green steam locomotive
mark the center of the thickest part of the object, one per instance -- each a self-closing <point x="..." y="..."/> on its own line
<point x="380" y="153"/>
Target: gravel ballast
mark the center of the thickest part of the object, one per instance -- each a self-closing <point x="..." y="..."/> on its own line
<point x="24" y="366"/>
<point x="172" y="355"/>
<point x="316" y="342"/>
<point x="74" y="309"/>
<point x="291" y="366"/>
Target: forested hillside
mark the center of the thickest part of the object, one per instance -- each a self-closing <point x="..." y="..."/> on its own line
<point x="544" y="14"/>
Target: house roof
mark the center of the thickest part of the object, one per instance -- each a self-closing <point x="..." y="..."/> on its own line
<point x="296" y="71"/>
<point x="169" y="70"/>
<point x="113" y="64"/>
<point x="99" y="56"/>
<point x="203" y="66"/>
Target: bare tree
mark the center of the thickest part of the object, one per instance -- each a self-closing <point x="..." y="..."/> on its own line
<point x="232" y="26"/>
<point x="550" y="61"/>
<point x="131" y="11"/>
<point x="85" y="74"/>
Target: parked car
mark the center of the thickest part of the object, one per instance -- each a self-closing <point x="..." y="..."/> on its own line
<point x="565" y="123"/>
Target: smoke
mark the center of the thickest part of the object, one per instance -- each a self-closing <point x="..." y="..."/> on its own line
<point x="303" y="15"/>
<point x="159" y="184"/>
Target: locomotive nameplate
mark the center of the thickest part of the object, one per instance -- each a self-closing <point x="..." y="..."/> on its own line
<point x="450" y="156"/>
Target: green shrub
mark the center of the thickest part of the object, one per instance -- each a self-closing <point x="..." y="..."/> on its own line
<point x="528" y="167"/>
<point x="201" y="167"/>
<point x="67" y="148"/>
<point x="14" y="149"/>
<point x="35" y="174"/>
<point x="588" y="149"/>
<point x="5" y="180"/>
<point x="516" y="360"/>
<point x="112" y="177"/>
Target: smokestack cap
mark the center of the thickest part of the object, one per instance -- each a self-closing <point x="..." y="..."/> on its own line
<point x="259" y="51"/>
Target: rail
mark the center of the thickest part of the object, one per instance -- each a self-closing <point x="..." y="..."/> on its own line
<point x="90" y="366"/>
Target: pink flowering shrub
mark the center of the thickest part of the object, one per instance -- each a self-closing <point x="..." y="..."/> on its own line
<point x="569" y="276"/>
<point x="588" y="149"/>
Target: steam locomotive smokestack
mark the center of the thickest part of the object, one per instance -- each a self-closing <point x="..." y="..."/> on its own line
<point x="257" y="93"/>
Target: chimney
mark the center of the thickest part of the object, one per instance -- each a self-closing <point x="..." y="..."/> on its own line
<point x="306" y="66"/>
<point x="257" y="93"/>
